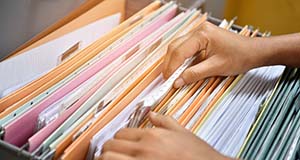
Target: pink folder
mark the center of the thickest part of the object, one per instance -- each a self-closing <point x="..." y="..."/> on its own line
<point x="40" y="136"/>
<point x="25" y="125"/>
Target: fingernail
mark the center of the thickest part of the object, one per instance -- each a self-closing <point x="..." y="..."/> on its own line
<point x="152" y="114"/>
<point x="166" y="74"/>
<point x="179" y="83"/>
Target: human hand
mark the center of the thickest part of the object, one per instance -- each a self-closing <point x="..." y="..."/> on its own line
<point x="226" y="53"/>
<point x="168" y="141"/>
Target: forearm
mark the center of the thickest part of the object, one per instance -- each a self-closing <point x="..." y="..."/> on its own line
<point x="282" y="50"/>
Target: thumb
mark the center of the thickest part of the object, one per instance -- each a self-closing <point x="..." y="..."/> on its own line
<point x="202" y="70"/>
<point x="165" y="122"/>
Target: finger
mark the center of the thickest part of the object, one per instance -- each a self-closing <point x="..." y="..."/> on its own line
<point x="115" y="156"/>
<point x="202" y="70"/>
<point x="165" y="122"/>
<point x="131" y="134"/>
<point x="121" y="146"/>
<point x="171" y="48"/>
<point x="197" y="42"/>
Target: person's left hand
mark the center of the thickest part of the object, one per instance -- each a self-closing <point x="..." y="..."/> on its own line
<point x="168" y="141"/>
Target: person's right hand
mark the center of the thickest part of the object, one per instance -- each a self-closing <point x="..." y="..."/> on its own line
<point x="227" y="54"/>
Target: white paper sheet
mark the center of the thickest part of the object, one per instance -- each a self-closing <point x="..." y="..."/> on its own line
<point x="23" y="68"/>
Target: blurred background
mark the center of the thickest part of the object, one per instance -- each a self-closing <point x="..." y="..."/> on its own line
<point x="20" y="20"/>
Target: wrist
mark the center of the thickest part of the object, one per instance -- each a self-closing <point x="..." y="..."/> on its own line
<point x="226" y="158"/>
<point x="262" y="52"/>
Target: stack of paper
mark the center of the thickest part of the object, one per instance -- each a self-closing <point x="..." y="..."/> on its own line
<point x="275" y="134"/>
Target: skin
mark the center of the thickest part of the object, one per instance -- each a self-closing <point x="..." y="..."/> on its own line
<point x="225" y="53"/>
<point x="167" y="141"/>
<point x="228" y="53"/>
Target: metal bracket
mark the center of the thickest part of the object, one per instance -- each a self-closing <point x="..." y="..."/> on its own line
<point x="186" y="4"/>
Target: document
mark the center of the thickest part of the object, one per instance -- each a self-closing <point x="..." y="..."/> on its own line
<point x="42" y="59"/>
<point x="220" y="128"/>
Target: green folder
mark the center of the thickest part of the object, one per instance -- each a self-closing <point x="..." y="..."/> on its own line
<point x="252" y="140"/>
<point x="280" y="125"/>
<point x="271" y="117"/>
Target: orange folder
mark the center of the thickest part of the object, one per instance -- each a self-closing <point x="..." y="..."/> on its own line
<point x="169" y="97"/>
<point x="212" y="103"/>
<point x="69" y="139"/>
<point x="165" y="100"/>
<point x="38" y="86"/>
<point x="160" y="105"/>
<point x="74" y="14"/>
<point x="90" y="16"/>
<point x="85" y="7"/>
<point x="174" y="97"/>
<point x="184" y="99"/>
<point x="183" y="120"/>
<point x="157" y="108"/>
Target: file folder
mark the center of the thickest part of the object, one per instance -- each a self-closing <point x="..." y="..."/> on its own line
<point x="76" y="13"/>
